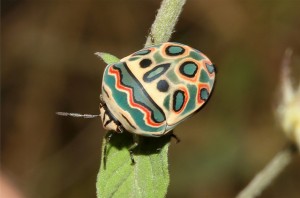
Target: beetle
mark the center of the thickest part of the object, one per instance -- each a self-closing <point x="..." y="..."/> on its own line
<point x="151" y="91"/>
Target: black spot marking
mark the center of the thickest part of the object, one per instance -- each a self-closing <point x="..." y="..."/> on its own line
<point x="163" y="86"/>
<point x="145" y="63"/>
<point x="156" y="72"/>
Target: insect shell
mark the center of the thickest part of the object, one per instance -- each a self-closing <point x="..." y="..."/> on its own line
<point x="152" y="90"/>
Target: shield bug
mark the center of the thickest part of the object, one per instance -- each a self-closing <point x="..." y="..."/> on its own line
<point x="151" y="91"/>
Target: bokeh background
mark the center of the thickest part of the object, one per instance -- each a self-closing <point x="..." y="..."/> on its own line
<point x="48" y="65"/>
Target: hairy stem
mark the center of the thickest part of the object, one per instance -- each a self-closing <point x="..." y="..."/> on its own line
<point x="265" y="177"/>
<point x="165" y="21"/>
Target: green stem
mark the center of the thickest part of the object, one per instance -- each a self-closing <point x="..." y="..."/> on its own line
<point x="266" y="176"/>
<point x="165" y="21"/>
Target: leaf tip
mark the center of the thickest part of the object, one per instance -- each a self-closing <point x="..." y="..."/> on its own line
<point x="107" y="58"/>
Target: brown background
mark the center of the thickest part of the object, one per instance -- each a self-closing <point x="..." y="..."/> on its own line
<point x="48" y="65"/>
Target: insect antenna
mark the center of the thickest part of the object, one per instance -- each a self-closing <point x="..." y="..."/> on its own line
<point x="77" y="115"/>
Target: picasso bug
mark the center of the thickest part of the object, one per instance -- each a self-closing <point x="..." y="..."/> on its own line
<point x="151" y="91"/>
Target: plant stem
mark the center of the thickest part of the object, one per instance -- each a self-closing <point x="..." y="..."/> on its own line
<point x="149" y="177"/>
<point x="165" y="21"/>
<point x="265" y="177"/>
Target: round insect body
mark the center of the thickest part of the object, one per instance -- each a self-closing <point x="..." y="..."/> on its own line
<point x="152" y="90"/>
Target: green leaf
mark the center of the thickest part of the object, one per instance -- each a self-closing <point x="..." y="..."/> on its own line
<point x="107" y="58"/>
<point x="148" y="177"/>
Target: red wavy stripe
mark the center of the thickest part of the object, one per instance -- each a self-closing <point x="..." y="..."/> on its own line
<point x="131" y="101"/>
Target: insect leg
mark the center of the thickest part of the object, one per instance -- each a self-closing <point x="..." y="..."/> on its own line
<point x="133" y="146"/>
<point x="175" y="137"/>
<point x="107" y="140"/>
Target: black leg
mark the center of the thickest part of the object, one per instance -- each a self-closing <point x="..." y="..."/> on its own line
<point x="175" y="137"/>
<point x="107" y="140"/>
<point x="172" y="136"/>
<point x="132" y="147"/>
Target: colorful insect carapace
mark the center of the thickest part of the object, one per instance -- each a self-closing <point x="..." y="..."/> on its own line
<point x="152" y="90"/>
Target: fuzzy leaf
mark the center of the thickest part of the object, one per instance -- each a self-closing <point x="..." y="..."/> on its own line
<point x="148" y="177"/>
<point x="107" y="58"/>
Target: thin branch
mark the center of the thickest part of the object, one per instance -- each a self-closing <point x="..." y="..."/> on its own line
<point x="265" y="177"/>
<point x="165" y="21"/>
<point x="286" y="84"/>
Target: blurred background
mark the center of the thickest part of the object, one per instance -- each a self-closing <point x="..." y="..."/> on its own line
<point x="48" y="65"/>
